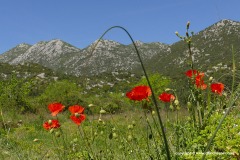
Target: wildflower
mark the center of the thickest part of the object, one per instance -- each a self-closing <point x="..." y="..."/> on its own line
<point x="190" y="73"/>
<point x="55" y="108"/>
<point x="76" y="109"/>
<point x="217" y="88"/>
<point x="78" y="120"/>
<point x="139" y="93"/>
<point x="77" y="114"/>
<point x="54" y="124"/>
<point x="166" y="97"/>
<point x="199" y="81"/>
<point x="198" y="78"/>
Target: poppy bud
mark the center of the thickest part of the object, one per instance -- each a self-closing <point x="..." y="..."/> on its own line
<point x="153" y="112"/>
<point x="51" y="130"/>
<point x="133" y="123"/>
<point x="114" y="135"/>
<point x="120" y="147"/>
<point x="57" y="134"/>
<point x="75" y="140"/>
<point x="102" y="111"/>
<point x="130" y="126"/>
<point x="90" y="105"/>
<point x="171" y="106"/>
<point x="178" y="107"/>
<point x="177" y="33"/>
<point x="168" y="89"/>
<point x="77" y="115"/>
<point x="176" y="102"/>
<point x="35" y="140"/>
<point x="49" y="122"/>
<point x="130" y="137"/>
<point x="188" y="24"/>
<point x="47" y="155"/>
<point x="211" y="78"/>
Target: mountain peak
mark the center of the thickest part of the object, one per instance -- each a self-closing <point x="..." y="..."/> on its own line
<point x="138" y="43"/>
<point x="225" y="22"/>
<point x="103" y="43"/>
<point x="24" y="45"/>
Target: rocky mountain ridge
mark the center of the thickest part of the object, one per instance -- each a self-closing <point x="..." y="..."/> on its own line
<point x="210" y="47"/>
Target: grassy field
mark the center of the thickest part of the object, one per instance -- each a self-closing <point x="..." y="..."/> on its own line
<point x="127" y="135"/>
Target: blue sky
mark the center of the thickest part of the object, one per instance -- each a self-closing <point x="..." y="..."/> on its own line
<point x="80" y="22"/>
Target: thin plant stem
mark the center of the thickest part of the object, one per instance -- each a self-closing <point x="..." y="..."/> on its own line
<point x="82" y="134"/>
<point x="149" y="84"/>
<point x="233" y="70"/>
<point x="157" y="152"/>
<point x="63" y="137"/>
<point x="7" y="133"/>
<point x="56" y="144"/>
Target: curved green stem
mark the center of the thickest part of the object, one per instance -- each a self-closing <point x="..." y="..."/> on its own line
<point x="145" y="73"/>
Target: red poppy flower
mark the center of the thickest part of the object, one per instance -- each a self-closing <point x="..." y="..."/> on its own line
<point x="77" y="114"/>
<point x="199" y="81"/>
<point x="166" y="97"/>
<point x="76" y="109"/>
<point x="55" y="108"/>
<point x="217" y="88"/>
<point x="139" y="93"/>
<point x="78" y="118"/>
<point x="51" y="124"/>
<point x="190" y="73"/>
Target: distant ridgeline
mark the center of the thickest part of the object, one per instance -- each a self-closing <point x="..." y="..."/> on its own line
<point x="212" y="53"/>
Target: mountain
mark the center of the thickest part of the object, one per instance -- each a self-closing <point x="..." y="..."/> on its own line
<point x="211" y="49"/>
<point x="14" y="52"/>
<point x="61" y="56"/>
